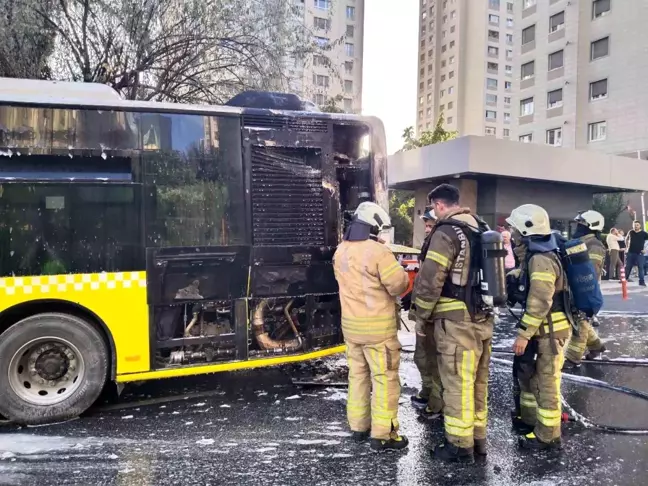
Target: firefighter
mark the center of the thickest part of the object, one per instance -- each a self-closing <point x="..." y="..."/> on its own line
<point x="370" y="279"/>
<point x="588" y="230"/>
<point x="443" y="295"/>
<point x="429" y="400"/>
<point x="543" y="329"/>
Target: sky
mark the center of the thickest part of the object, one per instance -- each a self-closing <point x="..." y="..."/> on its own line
<point x="390" y="65"/>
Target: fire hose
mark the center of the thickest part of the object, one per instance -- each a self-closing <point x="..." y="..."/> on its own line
<point x="591" y="382"/>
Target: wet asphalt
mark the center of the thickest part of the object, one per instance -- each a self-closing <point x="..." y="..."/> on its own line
<point x="257" y="428"/>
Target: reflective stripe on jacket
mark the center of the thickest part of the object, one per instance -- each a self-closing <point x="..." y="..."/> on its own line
<point x="545" y="280"/>
<point x="370" y="279"/>
<point x="438" y="267"/>
<point x="596" y="251"/>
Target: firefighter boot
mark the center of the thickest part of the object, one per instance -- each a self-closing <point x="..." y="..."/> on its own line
<point x="418" y="401"/>
<point x="360" y="436"/>
<point x="394" y="443"/>
<point x="428" y="414"/>
<point x="532" y="443"/>
<point x="449" y="452"/>
<point x="519" y="426"/>
<point x="480" y="447"/>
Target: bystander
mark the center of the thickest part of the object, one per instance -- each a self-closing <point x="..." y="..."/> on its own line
<point x="635" y="258"/>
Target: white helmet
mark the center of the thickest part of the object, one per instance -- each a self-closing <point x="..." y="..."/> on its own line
<point x="592" y="219"/>
<point x="530" y="220"/>
<point x="429" y="215"/>
<point x="373" y="215"/>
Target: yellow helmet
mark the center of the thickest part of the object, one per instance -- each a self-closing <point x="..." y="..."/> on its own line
<point x="530" y="220"/>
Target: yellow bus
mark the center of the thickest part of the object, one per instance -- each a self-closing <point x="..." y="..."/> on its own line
<point x="143" y="240"/>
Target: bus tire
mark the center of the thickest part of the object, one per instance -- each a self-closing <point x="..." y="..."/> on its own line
<point x="53" y="367"/>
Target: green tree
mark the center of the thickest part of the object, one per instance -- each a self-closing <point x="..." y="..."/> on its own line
<point x="401" y="203"/>
<point x="331" y="105"/>
<point x="610" y="206"/>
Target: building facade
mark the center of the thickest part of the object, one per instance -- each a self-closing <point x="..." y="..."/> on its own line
<point x="580" y="75"/>
<point x="336" y="69"/>
<point x="465" y="67"/>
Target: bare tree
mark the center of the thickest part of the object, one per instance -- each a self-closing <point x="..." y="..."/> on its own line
<point x="26" y="41"/>
<point x="177" y="50"/>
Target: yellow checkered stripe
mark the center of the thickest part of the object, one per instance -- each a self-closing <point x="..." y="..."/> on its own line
<point x="559" y="319"/>
<point x="81" y="282"/>
<point x="598" y="258"/>
<point x="543" y="277"/>
<point x="390" y="270"/>
<point x="437" y="257"/>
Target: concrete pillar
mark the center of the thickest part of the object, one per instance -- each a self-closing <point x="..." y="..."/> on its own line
<point x="467" y="192"/>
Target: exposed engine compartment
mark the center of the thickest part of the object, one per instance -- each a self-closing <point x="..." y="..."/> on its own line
<point x="277" y="296"/>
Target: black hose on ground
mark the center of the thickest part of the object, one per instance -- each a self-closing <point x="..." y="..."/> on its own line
<point x="583" y="380"/>
<point x="638" y="363"/>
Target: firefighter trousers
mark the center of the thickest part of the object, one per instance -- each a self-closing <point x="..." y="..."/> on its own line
<point x="464" y="357"/>
<point x="426" y="360"/>
<point x="540" y="404"/>
<point x="374" y="387"/>
<point x="587" y="338"/>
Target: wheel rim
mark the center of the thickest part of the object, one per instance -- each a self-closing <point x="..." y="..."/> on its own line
<point x="46" y="371"/>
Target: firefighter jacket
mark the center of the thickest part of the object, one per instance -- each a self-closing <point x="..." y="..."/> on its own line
<point x="546" y="286"/>
<point x="370" y="279"/>
<point x="447" y="259"/>
<point x="596" y="251"/>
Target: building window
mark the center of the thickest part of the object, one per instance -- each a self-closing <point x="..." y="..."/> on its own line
<point x="556" y="60"/>
<point x="319" y="60"/>
<point x="451" y="60"/>
<point x="509" y="22"/>
<point x="452" y="44"/>
<point x="429" y="98"/>
<point x="451" y="90"/>
<point x="348" y="86"/>
<point x="348" y="104"/>
<point x="452" y="29"/>
<point x="509" y="38"/>
<point x="507" y="117"/>
<point x="600" y="8"/>
<point x="351" y="32"/>
<point x="441" y="108"/>
<point x="428" y="112"/>
<point x="493" y="66"/>
<point x="320" y="80"/>
<point x="528" y="34"/>
<point x="490" y="131"/>
<point x="348" y="67"/>
<point x="421" y="86"/>
<point x="321" y="24"/>
<point x="528" y="3"/>
<point x="421" y="100"/>
<point x="491" y="98"/>
<point x="600" y="48"/>
<point x="557" y="22"/>
<point x="508" y="69"/>
<point x="506" y="133"/>
<point x="528" y="138"/>
<point x="493" y="51"/>
<point x="491" y="83"/>
<point x="442" y="93"/>
<point x="493" y="36"/>
<point x="507" y="100"/>
<point x="323" y="4"/>
<point x="597" y="131"/>
<point x="526" y="107"/>
<point x="554" y="137"/>
<point x="450" y="120"/>
<point x="451" y="105"/>
<point x="429" y="82"/>
<point x="493" y="19"/>
<point x="349" y="49"/>
<point x="443" y="64"/>
<point x="509" y="54"/>
<point x="445" y="19"/>
<point x="554" y="99"/>
<point x="451" y="75"/>
<point x="443" y="78"/>
<point x="321" y="41"/>
<point x="443" y="34"/>
<point x="599" y="90"/>
<point x="509" y="7"/>
<point x="494" y="4"/>
<point x="350" y="13"/>
<point x="508" y="85"/>
<point x="420" y="114"/>
<point x="431" y="53"/>
<point x="444" y="48"/>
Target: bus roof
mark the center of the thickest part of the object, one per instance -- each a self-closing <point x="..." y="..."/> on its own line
<point x="99" y="96"/>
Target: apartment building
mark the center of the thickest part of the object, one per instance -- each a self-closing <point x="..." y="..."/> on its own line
<point x="581" y="72"/>
<point x="338" y="29"/>
<point x="466" y="65"/>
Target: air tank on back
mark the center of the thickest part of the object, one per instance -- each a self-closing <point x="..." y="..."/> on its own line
<point x="493" y="274"/>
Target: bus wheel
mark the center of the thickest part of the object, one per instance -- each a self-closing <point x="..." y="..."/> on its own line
<point x="52" y="368"/>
